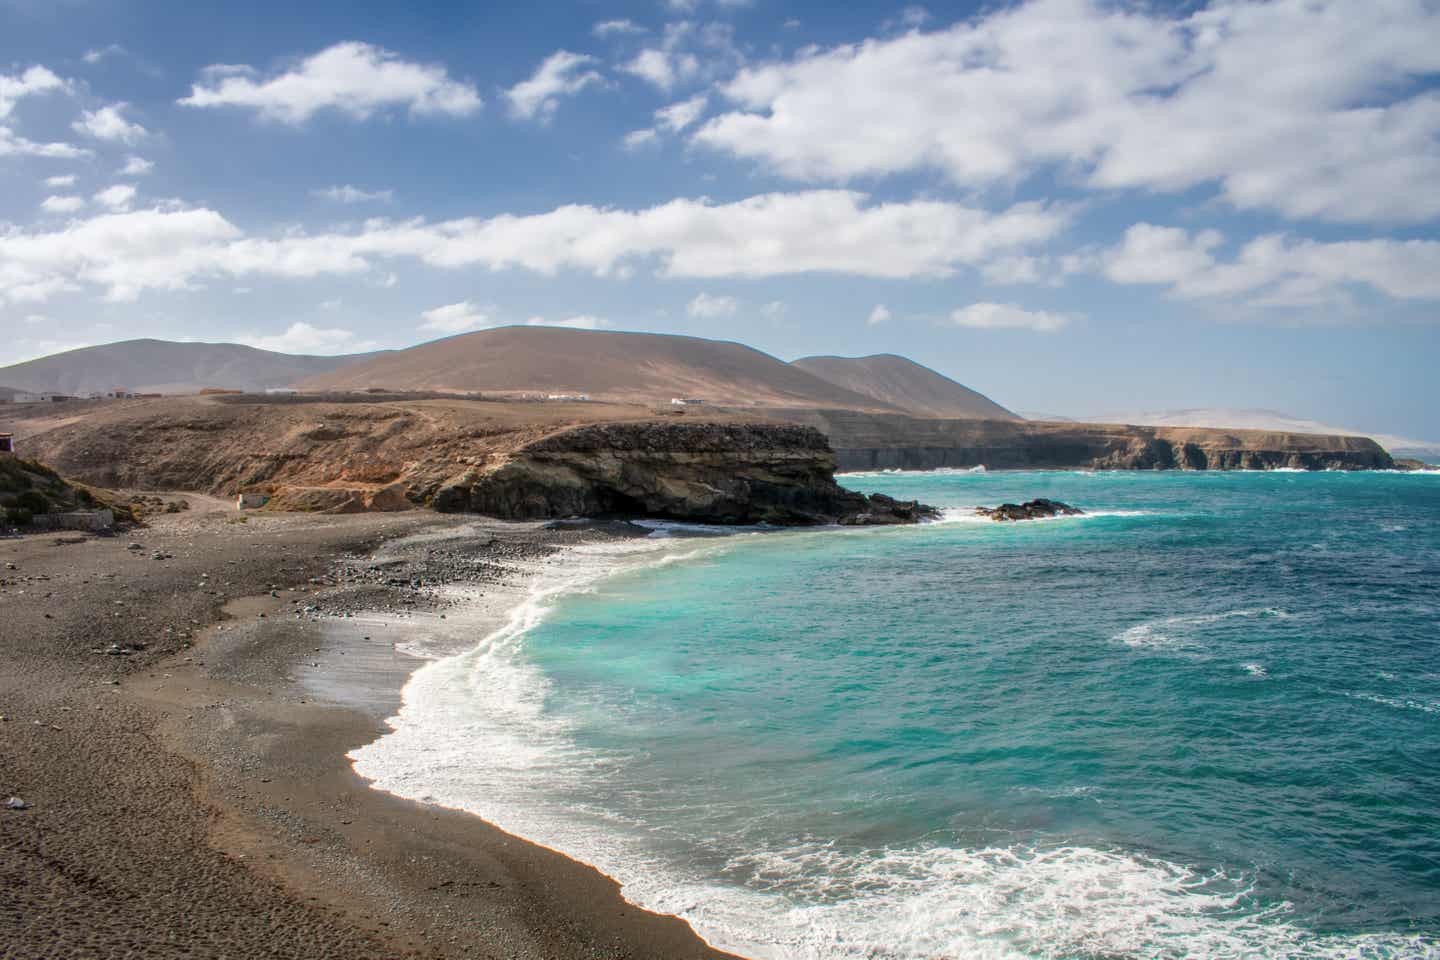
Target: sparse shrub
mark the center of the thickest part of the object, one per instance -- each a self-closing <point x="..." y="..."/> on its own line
<point x="33" y="502"/>
<point x="17" y="517"/>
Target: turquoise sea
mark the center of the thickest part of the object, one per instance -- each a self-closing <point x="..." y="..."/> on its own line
<point x="1201" y="721"/>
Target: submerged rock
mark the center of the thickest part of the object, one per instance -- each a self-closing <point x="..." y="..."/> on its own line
<point x="1029" y="510"/>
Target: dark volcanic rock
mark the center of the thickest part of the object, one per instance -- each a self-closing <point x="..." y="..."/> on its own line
<point x="1029" y="510"/>
<point x="699" y="472"/>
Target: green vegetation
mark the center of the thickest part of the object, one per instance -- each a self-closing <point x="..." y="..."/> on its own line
<point x="28" y="489"/>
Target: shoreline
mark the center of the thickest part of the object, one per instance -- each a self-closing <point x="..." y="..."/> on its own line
<point x="253" y="725"/>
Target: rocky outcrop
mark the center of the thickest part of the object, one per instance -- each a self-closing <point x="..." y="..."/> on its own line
<point x="707" y="472"/>
<point x="511" y="460"/>
<point x="882" y="441"/>
<point x="1037" y="509"/>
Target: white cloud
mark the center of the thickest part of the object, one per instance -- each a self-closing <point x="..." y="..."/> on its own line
<point x="1314" y="110"/>
<point x="559" y="75"/>
<point x="308" y="339"/>
<point x="94" y="56"/>
<point x="348" y="194"/>
<point x="1274" y="269"/>
<point x="33" y="81"/>
<point x="824" y="231"/>
<point x="678" y="116"/>
<point x="881" y="314"/>
<point x="610" y="28"/>
<point x="1006" y="316"/>
<point x="661" y="68"/>
<point x="636" y="139"/>
<point x="356" y="79"/>
<point x="136" y="167"/>
<point x="774" y="310"/>
<point x="109" y="124"/>
<point x="67" y="180"/>
<point x="456" y="318"/>
<point x="583" y="321"/>
<point x="707" y="306"/>
<point x="118" y="197"/>
<point x="62" y="204"/>
<point x="14" y="145"/>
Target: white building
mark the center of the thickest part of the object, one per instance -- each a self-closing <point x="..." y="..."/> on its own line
<point x="685" y="402"/>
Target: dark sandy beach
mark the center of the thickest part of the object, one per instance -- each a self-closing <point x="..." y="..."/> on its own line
<point x="190" y="796"/>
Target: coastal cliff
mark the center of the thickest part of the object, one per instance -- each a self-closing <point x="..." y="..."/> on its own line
<point x="521" y="461"/>
<point x="716" y="473"/>
<point x="865" y="441"/>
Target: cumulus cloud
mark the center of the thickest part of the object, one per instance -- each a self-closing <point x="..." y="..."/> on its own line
<point x="657" y="67"/>
<point x="14" y="145"/>
<point x="561" y="74"/>
<point x="636" y="139"/>
<point x="118" y="197"/>
<point x="824" y="231"/>
<point x="34" y="80"/>
<point x="346" y="193"/>
<point x="109" y="124"/>
<point x="136" y="167"/>
<point x="1007" y="316"/>
<point x="611" y="28"/>
<point x="456" y="318"/>
<point x="66" y="180"/>
<point x="308" y="339"/>
<point x="706" y="306"/>
<point x="1274" y="269"/>
<point x="1289" y="106"/>
<point x="678" y="116"/>
<point x="774" y="310"/>
<point x="881" y="314"/>
<point x="355" y="79"/>
<point x="62" y="204"/>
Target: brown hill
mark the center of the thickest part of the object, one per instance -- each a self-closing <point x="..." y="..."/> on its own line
<point x="900" y="382"/>
<point x="163" y="366"/>
<point x="622" y="367"/>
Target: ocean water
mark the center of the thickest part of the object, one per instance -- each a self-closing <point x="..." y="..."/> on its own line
<point x="1201" y="721"/>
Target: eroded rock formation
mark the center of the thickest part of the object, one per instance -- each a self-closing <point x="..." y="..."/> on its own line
<point x="717" y="473"/>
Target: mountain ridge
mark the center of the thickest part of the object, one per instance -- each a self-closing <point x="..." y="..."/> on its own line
<point x="619" y="366"/>
<point x="148" y="365"/>
<point x="901" y="382"/>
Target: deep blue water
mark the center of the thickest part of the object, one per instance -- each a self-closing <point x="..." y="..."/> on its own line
<point x="1202" y="721"/>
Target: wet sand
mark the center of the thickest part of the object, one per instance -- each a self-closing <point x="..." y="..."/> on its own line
<point x="190" y="796"/>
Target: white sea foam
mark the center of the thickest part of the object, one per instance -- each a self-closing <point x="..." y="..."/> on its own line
<point x="968" y="515"/>
<point x="474" y="734"/>
<point x="1172" y="631"/>
<point x="934" y="472"/>
<point x="1256" y="670"/>
<point x="1397" y="703"/>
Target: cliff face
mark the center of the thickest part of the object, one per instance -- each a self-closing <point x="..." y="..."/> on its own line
<point x="880" y="441"/>
<point x="510" y="460"/>
<point x="717" y="473"/>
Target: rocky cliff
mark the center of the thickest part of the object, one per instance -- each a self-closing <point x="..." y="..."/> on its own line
<point x="882" y="441"/>
<point x="510" y="460"/>
<point x="717" y="473"/>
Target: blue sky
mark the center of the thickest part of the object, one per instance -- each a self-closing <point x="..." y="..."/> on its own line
<point x="1077" y="207"/>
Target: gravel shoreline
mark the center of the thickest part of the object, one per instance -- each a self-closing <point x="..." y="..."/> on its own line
<point x="178" y="703"/>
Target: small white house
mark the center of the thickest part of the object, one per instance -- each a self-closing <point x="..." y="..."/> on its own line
<point x="685" y="402"/>
<point x="23" y="397"/>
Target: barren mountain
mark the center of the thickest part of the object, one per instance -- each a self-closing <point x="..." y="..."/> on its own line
<point x="624" y="367"/>
<point x="901" y="382"/>
<point x="162" y="366"/>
